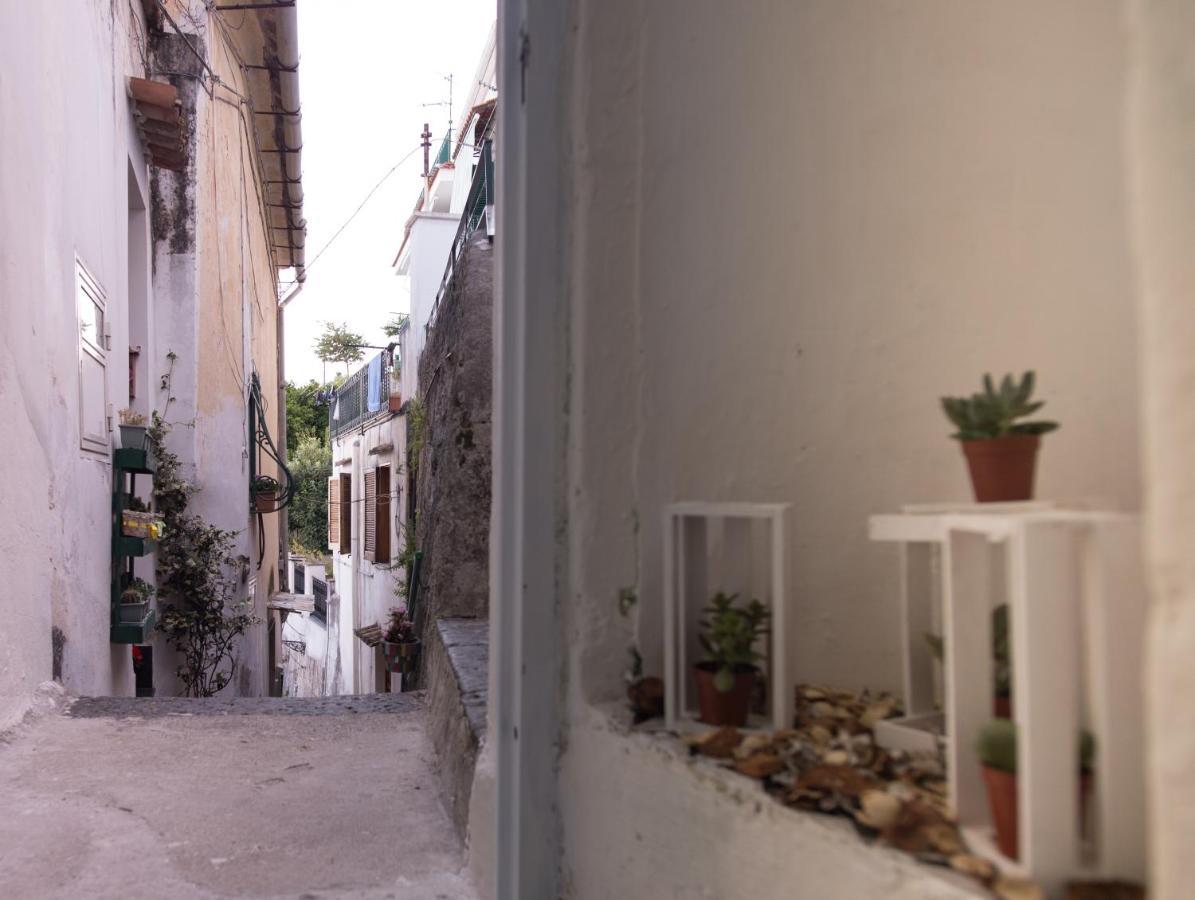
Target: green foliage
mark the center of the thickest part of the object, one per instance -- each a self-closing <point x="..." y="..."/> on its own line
<point x="993" y="413"/>
<point x="199" y="576"/>
<point x="310" y="465"/>
<point x="397" y="322"/>
<point x="338" y="344"/>
<point x="1001" y="651"/>
<point x="264" y="484"/>
<point x="416" y="431"/>
<point x="137" y="591"/>
<point x="406" y="558"/>
<point x="997" y="746"/>
<point x="306" y="416"/>
<point x="728" y="634"/>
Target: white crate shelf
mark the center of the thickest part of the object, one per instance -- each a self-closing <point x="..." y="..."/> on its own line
<point x="1074" y="585"/>
<point x="737" y="548"/>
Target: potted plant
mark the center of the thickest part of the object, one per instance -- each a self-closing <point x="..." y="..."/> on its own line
<point x="265" y="493"/>
<point x="399" y="643"/>
<point x="134" y="600"/>
<point x="132" y="430"/>
<point x="1001" y="452"/>
<point x="997" y="747"/>
<point x="727" y="675"/>
<point x="1001" y="661"/>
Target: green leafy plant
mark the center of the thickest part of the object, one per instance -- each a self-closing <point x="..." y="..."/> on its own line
<point x="136" y="504"/>
<point x="202" y="616"/>
<point x="1001" y="652"/>
<point x="997" y="746"/>
<point x="395" y="324"/>
<point x="993" y="413"/>
<point x="309" y="464"/>
<point x="339" y="345"/>
<point x="416" y="431"/>
<point x="399" y="628"/>
<point x="728" y="635"/>
<point x="264" y="484"/>
<point x="137" y="591"/>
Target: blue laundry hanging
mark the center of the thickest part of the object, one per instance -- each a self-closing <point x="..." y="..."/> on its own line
<point x="373" y="396"/>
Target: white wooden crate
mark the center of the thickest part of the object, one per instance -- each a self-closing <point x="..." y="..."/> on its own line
<point x="1073" y="581"/>
<point x="734" y="547"/>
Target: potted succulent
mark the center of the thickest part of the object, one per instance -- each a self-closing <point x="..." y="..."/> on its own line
<point x="399" y="643"/>
<point x="132" y="430"/>
<point x="997" y="747"/>
<point x="265" y="493"/>
<point x="1001" y="452"/>
<point x="726" y="677"/>
<point x="134" y="600"/>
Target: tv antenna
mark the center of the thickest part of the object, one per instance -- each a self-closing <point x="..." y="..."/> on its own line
<point x="447" y="78"/>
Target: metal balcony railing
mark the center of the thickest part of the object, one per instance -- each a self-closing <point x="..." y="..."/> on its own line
<point x="351" y="405"/>
<point x="480" y="199"/>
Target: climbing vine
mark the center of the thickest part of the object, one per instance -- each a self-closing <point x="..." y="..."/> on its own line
<point x="199" y="576"/>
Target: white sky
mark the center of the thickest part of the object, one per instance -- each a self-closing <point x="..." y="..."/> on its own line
<point x="365" y="68"/>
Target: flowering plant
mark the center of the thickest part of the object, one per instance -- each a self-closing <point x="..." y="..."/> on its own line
<point x="399" y="629"/>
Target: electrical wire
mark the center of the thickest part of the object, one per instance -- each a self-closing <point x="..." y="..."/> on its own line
<point x="373" y="190"/>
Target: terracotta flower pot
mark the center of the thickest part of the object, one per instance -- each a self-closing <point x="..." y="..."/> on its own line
<point x="1002" y="706"/>
<point x="265" y="502"/>
<point x="399" y="657"/>
<point x="1002" y="800"/>
<point x="724" y="707"/>
<point x="1002" y="469"/>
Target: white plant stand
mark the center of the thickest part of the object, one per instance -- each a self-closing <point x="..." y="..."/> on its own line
<point x="1074" y="584"/>
<point x="733" y="547"/>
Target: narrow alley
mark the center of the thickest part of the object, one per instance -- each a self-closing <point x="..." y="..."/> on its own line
<point x="333" y="797"/>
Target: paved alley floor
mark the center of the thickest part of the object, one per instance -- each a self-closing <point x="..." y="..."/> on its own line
<point x="181" y="799"/>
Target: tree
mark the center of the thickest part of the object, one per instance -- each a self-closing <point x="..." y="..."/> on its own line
<point x="339" y="345"/>
<point x="306" y="415"/>
<point x="310" y="465"/>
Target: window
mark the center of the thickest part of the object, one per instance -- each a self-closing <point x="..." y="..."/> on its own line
<point x="377" y="515"/>
<point x="340" y="512"/>
<point x="91" y="306"/>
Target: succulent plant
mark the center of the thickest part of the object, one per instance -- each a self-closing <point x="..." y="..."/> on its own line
<point x="997" y="746"/>
<point x="728" y="635"/>
<point x="993" y="413"/>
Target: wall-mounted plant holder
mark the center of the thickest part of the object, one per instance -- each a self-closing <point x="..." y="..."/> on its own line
<point x="736" y="548"/>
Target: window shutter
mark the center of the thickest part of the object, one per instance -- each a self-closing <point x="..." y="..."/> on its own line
<point x="371" y="514"/>
<point x="334" y="512"/>
<point x="382" y="547"/>
<point x="346" y="513"/>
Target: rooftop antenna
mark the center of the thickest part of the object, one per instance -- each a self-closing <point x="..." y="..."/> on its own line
<point x="447" y="78"/>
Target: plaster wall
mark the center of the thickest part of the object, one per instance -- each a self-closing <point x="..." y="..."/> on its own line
<point x="367" y="589"/>
<point x="431" y="238"/>
<point x="1162" y="142"/>
<point x="69" y="150"/>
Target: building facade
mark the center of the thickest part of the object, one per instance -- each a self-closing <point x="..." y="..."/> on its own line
<point x="148" y="204"/>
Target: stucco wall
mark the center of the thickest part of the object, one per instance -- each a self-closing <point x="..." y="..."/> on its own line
<point x="67" y="143"/>
<point x="431" y="236"/>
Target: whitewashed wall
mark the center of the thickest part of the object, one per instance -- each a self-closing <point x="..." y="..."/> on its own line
<point x="424" y="260"/>
<point x="67" y="143"/>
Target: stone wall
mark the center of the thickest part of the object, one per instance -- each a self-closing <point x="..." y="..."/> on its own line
<point x="453" y="470"/>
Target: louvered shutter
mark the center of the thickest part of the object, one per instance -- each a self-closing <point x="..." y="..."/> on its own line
<point x="334" y="512"/>
<point x="382" y="547"/>
<point x="346" y="513"/>
<point x="371" y="514"/>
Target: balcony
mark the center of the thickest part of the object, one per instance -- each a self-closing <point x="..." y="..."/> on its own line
<point x="362" y="399"/>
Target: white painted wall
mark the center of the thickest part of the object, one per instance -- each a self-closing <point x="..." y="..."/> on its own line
<point x="67" y="142"/>
<point x="423" y="262"/>
<point x="367" y="589"/>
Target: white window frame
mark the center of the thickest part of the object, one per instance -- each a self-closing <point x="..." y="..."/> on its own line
<point x="89" y="290"/>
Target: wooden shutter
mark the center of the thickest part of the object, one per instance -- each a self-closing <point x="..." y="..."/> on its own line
<point x="371" y="514"/>
<point x="382" y="548"/>
<point x="346" y="513"/>
<point x="334" y="512"/>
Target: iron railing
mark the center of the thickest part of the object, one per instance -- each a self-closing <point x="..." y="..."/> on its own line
<point x="349" y="406"/>
<point x="481" y="197"/>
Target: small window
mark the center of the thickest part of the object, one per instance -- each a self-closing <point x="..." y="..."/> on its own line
<point x="91" y="305"/>
<point x="377" y="515"/>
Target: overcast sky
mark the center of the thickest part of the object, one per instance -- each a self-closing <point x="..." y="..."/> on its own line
<point x="366" y="67"/>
